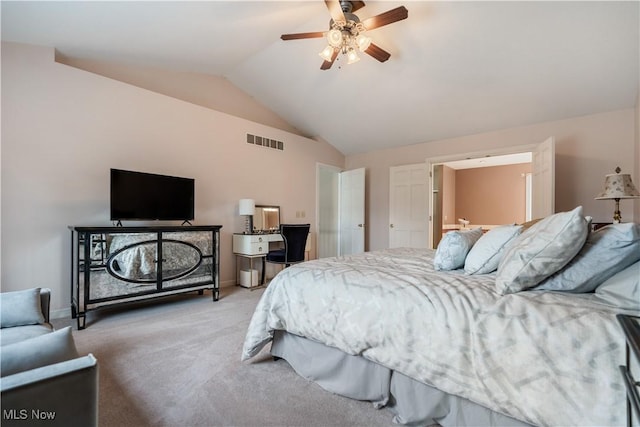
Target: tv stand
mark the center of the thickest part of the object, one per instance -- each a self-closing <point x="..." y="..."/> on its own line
<point x="117" y="265"/>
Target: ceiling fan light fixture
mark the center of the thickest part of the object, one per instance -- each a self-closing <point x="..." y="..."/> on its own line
<point x="352" y="57"/>
<point x="334" y="37"/>
<point x="363" y="42"/>
<point x="346" y="34"/>
<point x="326" y="53"/>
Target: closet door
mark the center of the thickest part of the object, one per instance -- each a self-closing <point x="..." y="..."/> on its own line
<point x="352" y="207"/>
<point x="408" y="211"/>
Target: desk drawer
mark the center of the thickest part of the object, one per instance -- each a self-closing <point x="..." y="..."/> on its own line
<point x="250" y="245"/>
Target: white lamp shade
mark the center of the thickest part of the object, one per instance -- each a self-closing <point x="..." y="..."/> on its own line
<point x="247" y="207"/>
<point x="334" y="38"/>
<point x="618" y="186"/>
<point x="326" y="53"/>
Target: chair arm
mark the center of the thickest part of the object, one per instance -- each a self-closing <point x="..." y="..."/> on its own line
<point x="64" y="394"/>
<point x="45" y="302"/>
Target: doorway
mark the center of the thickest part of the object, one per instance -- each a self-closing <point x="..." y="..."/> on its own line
<point x="542" y="190"/>
<point x="482" y="192"/>
<point x="340" y="212"/>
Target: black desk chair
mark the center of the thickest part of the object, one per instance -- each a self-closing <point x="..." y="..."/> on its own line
<point x="295" y="240"/>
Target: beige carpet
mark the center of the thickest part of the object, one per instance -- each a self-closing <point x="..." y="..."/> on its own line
<point x="176" y="362"/>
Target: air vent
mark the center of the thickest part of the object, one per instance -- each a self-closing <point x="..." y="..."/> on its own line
<point x="265" y="142"/>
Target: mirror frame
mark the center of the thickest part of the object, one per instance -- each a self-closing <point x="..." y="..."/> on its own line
<point x="272" y="230"/>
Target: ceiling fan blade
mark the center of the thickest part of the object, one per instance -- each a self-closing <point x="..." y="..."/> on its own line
<point x="327" y="64"/>
<point x="356" y="5"/>
<point x="296" y="36"/>
<point x="377" y="52"/>
<point x="335" y="10"/>
<point x="386" y="18"/>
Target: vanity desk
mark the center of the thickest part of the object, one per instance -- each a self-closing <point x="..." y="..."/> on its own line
<point x="248" y="248"/>
<point x="251" y="247"/>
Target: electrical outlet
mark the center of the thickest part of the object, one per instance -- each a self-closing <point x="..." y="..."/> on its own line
<point x="297" y="214"/>
<point x="303" y="214"/>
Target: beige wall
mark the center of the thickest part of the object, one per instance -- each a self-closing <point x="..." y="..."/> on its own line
<point x="64" y="128"/>
<point x="587" y="148"/>
<point x="220" y="94"/>
<point x="492" y="195"/>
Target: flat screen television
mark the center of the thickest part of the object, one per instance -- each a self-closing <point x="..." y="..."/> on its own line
<point x="147" y="196"/>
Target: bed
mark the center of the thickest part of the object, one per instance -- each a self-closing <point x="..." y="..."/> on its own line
<point x="444" y="346"/>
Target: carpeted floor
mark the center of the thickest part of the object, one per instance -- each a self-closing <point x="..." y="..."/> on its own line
<point x="176" y="362"/>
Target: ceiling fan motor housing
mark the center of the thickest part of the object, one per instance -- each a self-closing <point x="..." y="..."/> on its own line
<point x="346" y="6"/>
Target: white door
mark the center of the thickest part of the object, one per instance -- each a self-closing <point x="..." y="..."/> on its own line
<point x="352" y="212"/>
<point x="408" y="211"/>
<point x="327" y="210"/>
<point x="543" y="179"/>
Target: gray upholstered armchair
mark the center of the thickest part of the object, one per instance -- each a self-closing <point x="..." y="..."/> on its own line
<point x="42" y="377"/>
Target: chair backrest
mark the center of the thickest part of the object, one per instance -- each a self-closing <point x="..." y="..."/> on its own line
<point x="295" y="240"/>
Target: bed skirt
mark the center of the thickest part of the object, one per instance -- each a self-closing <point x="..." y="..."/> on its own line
<point x="412" y="402"/>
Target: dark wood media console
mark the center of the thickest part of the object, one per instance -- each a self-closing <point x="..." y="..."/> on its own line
<point x="116" y="265"/>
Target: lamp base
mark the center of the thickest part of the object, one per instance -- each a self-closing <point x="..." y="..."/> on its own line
<point x="248" y="225"/>
<point x="617" y="218"/>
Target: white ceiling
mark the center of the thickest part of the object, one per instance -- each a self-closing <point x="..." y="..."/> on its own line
<point x="456" y="68"/>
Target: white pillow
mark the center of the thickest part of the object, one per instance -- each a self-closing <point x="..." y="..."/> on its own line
<point x="541" y="250"/>
<point x="454" y="247"/>
<point x="622" y="290"/>
<point x="606" y="252"/>
<point x="485" y="255"/>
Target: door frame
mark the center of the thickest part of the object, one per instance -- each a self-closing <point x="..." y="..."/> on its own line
<point x="431" y="161"/>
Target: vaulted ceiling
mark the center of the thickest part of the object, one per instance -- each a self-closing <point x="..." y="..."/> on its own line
<point x="456" y="68"/>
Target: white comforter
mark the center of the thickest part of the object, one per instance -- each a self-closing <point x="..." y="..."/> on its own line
<point x="542" y="357"/>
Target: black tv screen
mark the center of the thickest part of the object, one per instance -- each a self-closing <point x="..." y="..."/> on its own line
<point x="147" y="196"/>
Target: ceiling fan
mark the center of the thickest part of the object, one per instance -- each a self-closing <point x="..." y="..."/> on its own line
<point x="346" y="33"/>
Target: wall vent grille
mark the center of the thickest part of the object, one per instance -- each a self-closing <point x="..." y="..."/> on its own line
<point x="265" y="142"/>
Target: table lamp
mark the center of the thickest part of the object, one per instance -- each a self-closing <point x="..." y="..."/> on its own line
<point x="618" y="186"/>
<point x="247" y="207"/>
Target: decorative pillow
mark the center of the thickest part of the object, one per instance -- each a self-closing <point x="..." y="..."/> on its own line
<point x="454" y="247"/>
<point x="20" y="308"/>
<point x="541" y="250"/>
<point x="529" y="224"/>
<point x="36" y="352"/>
<point x="622" y="289"/>
<point x="606" y="252"/>
<point x="485" y="255"/>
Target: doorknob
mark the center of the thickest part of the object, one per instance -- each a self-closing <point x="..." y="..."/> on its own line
<point x="359" y="225"/>
<point x="390" y="225"/>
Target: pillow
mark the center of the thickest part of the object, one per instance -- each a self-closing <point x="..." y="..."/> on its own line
<point x="485" y="255"/>
<point x="529" y="224"/>
<point x="606" y="252"/>
<point x="20" y="308"/>
<point x="454" y="247"/>
<point x="622" y="289"/>
<point x="541" y="250"/>
<point x="36" y="352"/>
